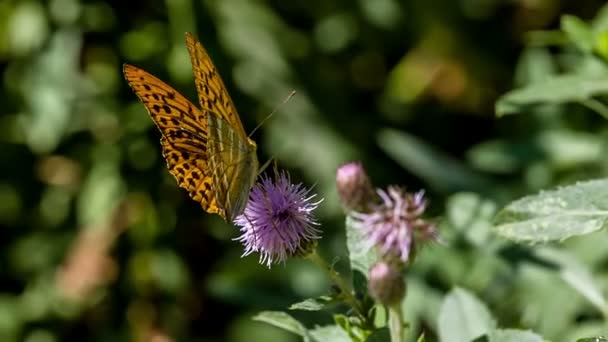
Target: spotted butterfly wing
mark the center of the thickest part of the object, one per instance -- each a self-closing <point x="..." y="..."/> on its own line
<point x="206" y="150"/>
<point x="184" y="134"/>
<point x="232" y="155"/>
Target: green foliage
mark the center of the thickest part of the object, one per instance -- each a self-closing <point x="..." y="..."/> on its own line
<point x="463" y="317"/>
<point x="98" y="241"/>
<point x="556" y="215"/>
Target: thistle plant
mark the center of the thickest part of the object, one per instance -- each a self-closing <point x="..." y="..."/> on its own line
<point x="279" y="223"/>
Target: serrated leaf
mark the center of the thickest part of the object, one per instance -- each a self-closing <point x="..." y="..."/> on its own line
<point x="555" y="215"/>
<point x="556" y="89"/>
<point x="329" y="333"/>
<point x="513" y="335"/>
<point x="312" y="304"/>
<point x="578" y="31"/>
<point x="284" y="321"/>
<point x="463" y="317"/>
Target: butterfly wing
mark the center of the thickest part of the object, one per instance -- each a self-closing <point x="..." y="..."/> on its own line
<point x="212" y="93"/>
<point x="184" y="135"/>
<point x="232" y="155"/>
<point x="234" y="163"/>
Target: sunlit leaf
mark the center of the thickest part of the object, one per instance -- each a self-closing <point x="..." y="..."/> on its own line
<point x="557" y="214"/>
<point x="329" y="333"/>
<point x="557" y="89"/>
<point x="284" y="321"/>
<point x="312" y="304"/>
<point x="578" y="32"/>
<point x="513" y="335"/>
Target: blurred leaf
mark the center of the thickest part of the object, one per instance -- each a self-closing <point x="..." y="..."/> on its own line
<point x="555" y="215"/>
<point x="380" y="335"/>
<point x="362" y="256"/>
<point x="421" y="306"/>
<point x="329" y="333"/>
<point x="577" y="275"/>
<point x="169" y="271"/>
<point x="592" y="339"/>
<point x="101" y="193"/>
<point x="463" y="317"/>
<point x="312" y="304"/>
<point x="513" y="335"/>
<point x="578" y="32"/>
<point x="470" y="214"/>
<point x="563" y="148"/>
<point x="567" y="148"/>
<point x="284" y="321"/>
<point x="556" y="89"/>
<point x="535" y="65"/>
<point x="441" y="172"/>
<point x="10" y="318"/>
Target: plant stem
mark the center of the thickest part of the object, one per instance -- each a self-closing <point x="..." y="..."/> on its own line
<point x="345" y="290"/>
<point x="395" y="322"/>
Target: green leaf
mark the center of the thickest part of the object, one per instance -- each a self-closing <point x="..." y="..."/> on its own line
<point x="555" y="215"/>
<point x="329" y="333"/>
<point x="471" y="215"/>
<point x="535" y="64"/>
<point x="352" y="328"/>
<point x="557" y="89"/>
<point x="463" y="317"/>
<point x="312" y="304"/>
<point x="513" y="335"/>
<point x="576" y="274"/>
<point x="578" y="32"/>
<point x="361" y="256"/>
<point x="380" y="335"/>
<point x="284" y="321"/>
<point x="600" y="22"/>
<point x="592" y="339"/>
<point x="440" y="171"/>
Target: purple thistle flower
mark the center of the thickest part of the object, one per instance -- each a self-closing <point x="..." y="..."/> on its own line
<point x="394" y="224"/>
<point x="278" y="220"/>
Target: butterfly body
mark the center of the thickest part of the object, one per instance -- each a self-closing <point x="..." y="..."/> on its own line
<point x="206" y="149"/>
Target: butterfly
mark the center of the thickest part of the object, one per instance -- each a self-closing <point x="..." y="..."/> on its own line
<point x="206" y="149"/>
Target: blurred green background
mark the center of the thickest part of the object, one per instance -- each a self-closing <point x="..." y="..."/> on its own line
<point x="96" y="240"/>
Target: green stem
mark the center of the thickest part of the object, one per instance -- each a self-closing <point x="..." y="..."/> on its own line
<point x="345" y="290"/>
<point x="395" y="322"/>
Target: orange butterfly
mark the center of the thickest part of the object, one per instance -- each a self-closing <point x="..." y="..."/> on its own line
<point x="207" y="149"/>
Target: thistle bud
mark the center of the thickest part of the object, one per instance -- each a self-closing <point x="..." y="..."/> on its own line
<point x="386" y="284"/>
<point x="354" y="187"/>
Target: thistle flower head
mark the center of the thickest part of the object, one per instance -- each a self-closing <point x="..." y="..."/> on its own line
<point x="354" y="187"/>
<point x="395" y="223"/>
<point x="278" y="221"/>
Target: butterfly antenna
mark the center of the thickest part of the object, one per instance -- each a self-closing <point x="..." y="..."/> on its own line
<point x="266" y="164"/>
<point x="293" y="92"/>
